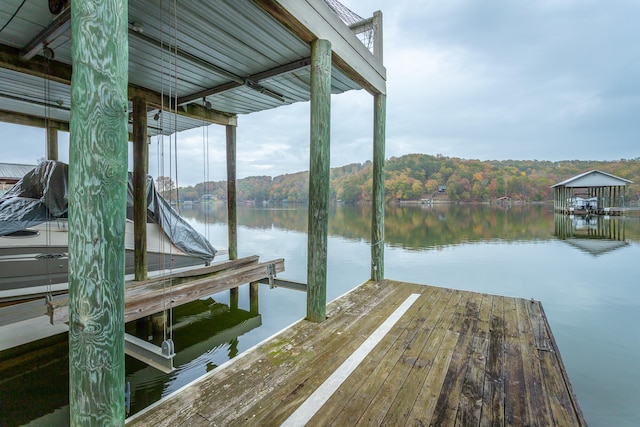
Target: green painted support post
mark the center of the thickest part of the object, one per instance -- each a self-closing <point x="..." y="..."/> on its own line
<point x="319" y="180"/>
<point x="377" y="221"/>
<point x="232" y="212"/>
<point x="97" y="211"/>
<point x="140" y="169"/>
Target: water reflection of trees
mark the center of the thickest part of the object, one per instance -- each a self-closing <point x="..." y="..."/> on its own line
<point x="411" y="226"/>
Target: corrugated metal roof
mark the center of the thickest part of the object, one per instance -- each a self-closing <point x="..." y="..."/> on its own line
<point x="14" y="172"/>
<point x="594" y="178"/>
<point x="232" y="56"/>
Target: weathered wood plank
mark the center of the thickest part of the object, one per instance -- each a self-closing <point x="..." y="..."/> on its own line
<point x="539" y="327"/>
<point x="200" y="272"/>
<point x="173" y="278"/>
<point x="537" y="403"/>
<point x="440" y="353"/>
<point x="493" y="393"/>
<point x="516" y="413"/>
<point x="336" y="347"/>
<point x="141" y="301"/>
<point x="346" y="405"/>
<point x="447" y="404"/>
<point x="277" y="361"/>
<point x="434" y="325"/>
<point x="564" y="407"/>
<point x="470" y="406"/>
<point x="469" y="346"/>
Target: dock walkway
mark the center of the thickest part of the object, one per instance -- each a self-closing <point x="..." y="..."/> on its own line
<point x="390" y="353"/>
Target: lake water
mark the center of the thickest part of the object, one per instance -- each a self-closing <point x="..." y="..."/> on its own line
<point x="586" y="274"/>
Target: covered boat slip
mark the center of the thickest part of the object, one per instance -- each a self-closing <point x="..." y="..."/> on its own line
<point x="590" y="193"/>
<point x="390" y="353"/>
<point x="34" y="234"/>
<point x="111" y="70"/>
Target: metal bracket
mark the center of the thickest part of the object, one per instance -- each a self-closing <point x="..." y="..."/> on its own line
<point x="168" y="349"/>
<point x="271" y="271"/>
<point x="160" y="358"/>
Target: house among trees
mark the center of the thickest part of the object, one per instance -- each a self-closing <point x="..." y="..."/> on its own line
<point x="10" y="173"/>
<point x="594" y="192"/>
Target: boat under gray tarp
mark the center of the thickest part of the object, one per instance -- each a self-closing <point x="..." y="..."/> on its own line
<point x="42" y="195"/>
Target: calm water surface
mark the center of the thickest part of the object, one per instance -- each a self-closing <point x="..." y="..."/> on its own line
<point x="585" y="273"/>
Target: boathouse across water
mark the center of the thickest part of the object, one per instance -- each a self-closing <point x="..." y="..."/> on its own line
<point x="590" y="193"/>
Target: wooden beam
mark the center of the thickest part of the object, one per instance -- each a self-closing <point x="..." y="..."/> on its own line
<point x="282" y="69"/>
<point x="312" y="19"/>
<point x="52" y="142"/>
<point x="377" y="36"/>
<point x="319" y="180"/>
<point x="140" y="171"/>
<point x="97" y="212"/>
<point x="61" y="73"/>
<point x="377" y="220"/>
<point x="143" y="300"/>
<point x="27" y="120"/>
<point x="39" y="67"/>
<point x="60" y="24"/>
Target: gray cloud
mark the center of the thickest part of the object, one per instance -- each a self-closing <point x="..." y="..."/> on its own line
<point x="546" y="80"/>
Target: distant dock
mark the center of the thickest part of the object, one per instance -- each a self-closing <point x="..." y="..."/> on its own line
<point x="395" y="354"/>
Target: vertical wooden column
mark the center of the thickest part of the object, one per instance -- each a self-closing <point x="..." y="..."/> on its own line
<point x="52" y="143"/>
<point x="319" y="180"/>
<point x="232" y="216"/>
<point x="253" y="297"/>
<point x="377" y="220"/>
<point x="377" y="35"/>
<point x="232" y="205"/>
<point x="97" y="211"/>
<point x="140" y="171"/>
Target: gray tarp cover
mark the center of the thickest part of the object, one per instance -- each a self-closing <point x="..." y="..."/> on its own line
<point x="42" y="195"/>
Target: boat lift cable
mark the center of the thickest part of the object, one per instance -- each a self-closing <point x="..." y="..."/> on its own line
<point x="48" y="55"/>
<point x="175" y="150"/>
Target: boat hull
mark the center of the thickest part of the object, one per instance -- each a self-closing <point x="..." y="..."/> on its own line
<point x="36" y="262"/>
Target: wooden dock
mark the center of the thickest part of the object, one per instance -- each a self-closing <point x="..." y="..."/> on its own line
<point x="390" y="353"/>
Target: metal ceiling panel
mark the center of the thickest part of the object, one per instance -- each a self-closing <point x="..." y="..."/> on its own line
<point x="232" y="54"/>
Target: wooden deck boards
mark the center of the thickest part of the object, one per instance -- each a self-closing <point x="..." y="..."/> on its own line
<point x="454" y="358"/>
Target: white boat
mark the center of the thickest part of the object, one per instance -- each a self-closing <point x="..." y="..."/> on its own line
<point x="34" y="235"/>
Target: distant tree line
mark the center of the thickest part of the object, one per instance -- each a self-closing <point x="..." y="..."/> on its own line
<point x="421" y="176"/>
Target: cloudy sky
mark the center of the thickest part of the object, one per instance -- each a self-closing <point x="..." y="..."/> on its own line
<point x="499" y="79"/>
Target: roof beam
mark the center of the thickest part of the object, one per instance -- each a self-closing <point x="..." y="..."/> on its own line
<point x="312" y="19"/>
<point x="197" y="111"/>
<point x="27" y="120"/>
<point x="250" y="81"/>
<point x="236" y="81"/>
<point x="59" y="26"/>
<point x="11" y="59"/>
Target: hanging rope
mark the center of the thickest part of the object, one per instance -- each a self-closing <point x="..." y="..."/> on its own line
<point x="48" y="56"/>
